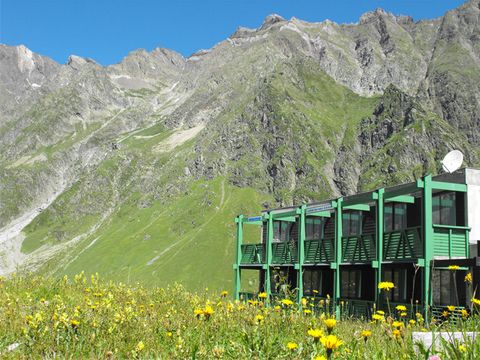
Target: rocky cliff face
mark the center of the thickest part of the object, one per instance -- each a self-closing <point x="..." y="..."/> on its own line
<point x="296" y="111"/>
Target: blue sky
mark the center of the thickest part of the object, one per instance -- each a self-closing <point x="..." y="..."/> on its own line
<point x="106" y="30"/>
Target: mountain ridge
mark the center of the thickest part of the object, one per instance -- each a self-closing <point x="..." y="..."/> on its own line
<point x="289" y="112"/>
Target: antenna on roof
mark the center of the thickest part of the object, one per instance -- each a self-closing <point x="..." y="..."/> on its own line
<point x="452" y="161"/>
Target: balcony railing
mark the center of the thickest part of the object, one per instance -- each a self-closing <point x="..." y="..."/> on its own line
<point x="358" y="248"/>
<point x="284" y="252"/>
<point x="319" y="251"/>
<point x="450" y="241"/>
<point x="253" y="254"/>
<point x="403" y="244"/>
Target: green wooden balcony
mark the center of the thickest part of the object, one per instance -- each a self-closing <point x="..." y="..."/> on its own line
<point x="284" y="252"/>
<point x="403" y="244"/>
<point x="253" y="254"/>
<point x="319" y="251"/>
<point x="356" y="308"/>
<point x="359" y="248"/>
<point x="450" y="241"/>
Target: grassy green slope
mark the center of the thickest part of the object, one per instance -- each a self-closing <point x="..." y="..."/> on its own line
<point x="190" y="241"/>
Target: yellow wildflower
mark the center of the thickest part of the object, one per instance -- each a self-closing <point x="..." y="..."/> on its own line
<point x="320" y="357"/>
<point x="396" y="333"/>
<point x="331" y="342"/>
<point x="386" y="285"/>
<point x="287" y="302"/>
<point x="198" y="312"/>
<point x="403" y="314"/>
<point x="140" y="346"/>
<point x="378" y="317"/>
<point x="365" y="334"/>
<point x="476" y="301"/>
<point x="208" y="311"/>
<point x="380" y="312"/>
<point x="292" y="346"/>
<point x="74" y="323"/>
<point x="468" y="278"/>
<point x="462" y="348"/>
<point x="316" y="334"/>
<point x="401" y="308"/>
<point x="464" y="313"/>
<point x="397" y="324"/>
<point x="445" y="314"/>
<point x="411" y="322"/>
<point x="307" y="311"/>
<point x="259" y="319"/>
<point x="330" y="324"/>
<point x="451" y="308"/>
<point x="224" y="293"/>
<point x="262" y="295"/>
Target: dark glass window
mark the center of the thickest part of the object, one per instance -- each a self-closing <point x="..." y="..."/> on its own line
<point x="281" y="231"/>
<point x="395" y="216"/>
<point x="448" y="287"/>
<point x="444" y="209"/>
<point x="352" y="223"/>
<point x="351" y="284"/>
<point x="312" y="280"/>
<point x="399" y="278"/>
<point x="314" y="228"/>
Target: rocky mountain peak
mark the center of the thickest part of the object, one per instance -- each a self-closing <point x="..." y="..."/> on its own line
<point x="76" y="62"/>
<point x="372" y="16"/>
<point x="270" y="20"/>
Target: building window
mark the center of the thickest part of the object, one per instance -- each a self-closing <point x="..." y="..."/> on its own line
<point x="352" y="223"/>
<point x="314" y="228"/>
<point x="351" y="284"/>
<point x="399" y="279"/>
<point x="444" y="209"/>
<point x="448" y="287"/>
<point x="281" y="231"/>
<point x="395" y="216"/>
<point x="312" y="280"/>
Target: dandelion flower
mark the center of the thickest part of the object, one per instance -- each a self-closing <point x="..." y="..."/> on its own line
<point x="262" y="295"/>
<point x="401" y="308"/>
<point x="396" y="333"/>
<point x="397" y="324"/>
<point x="287" y="302"/>
<point x="259" y="319"/>
<point x="140" y="346"/>
<point x="316" y="334"/>
<point x="468" y="278"/>
<point x="330" y="343"/>
<point x="74" y="323"/>
<point x="320" y="357"/>
<point x="462" y="348"/>
<point x="330" y="324"/>
<point x="476" y="301"/>
<point x="208" y="311"/>
<point x="378" y="317"/>
<point x="292" y="346"/>
<point x="451" y="308"/>
<point x="224" y="293"/>
<point x="386" y="285"/>
<point x="365" y="334"/>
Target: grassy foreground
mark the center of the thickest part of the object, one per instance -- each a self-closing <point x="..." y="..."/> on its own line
<point x="89" y="318"/>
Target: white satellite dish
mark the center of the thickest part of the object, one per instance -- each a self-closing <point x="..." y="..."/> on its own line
<point x="452" y="161"/>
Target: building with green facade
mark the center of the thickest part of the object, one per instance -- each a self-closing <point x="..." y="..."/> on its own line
<point x="410" y="234"/>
